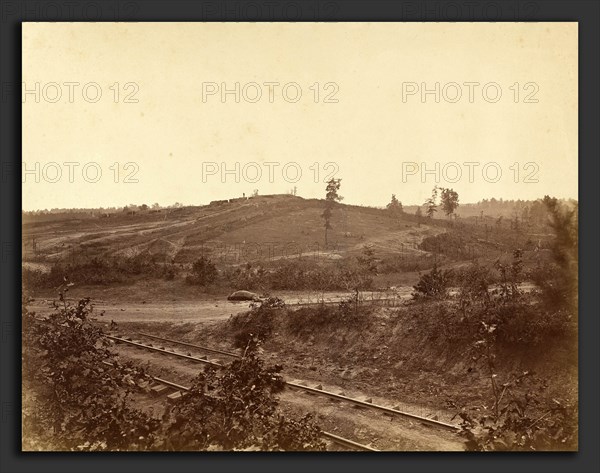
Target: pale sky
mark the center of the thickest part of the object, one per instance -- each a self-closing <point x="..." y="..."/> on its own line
<point x="178" y="139"/>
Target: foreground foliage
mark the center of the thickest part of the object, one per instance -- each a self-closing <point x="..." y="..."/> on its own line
<point x="238" y="409"/>
<point x="78" y="396"/>
<point x="81" y="392"/>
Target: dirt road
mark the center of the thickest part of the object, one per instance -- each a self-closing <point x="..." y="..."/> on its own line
<point x="207" y="310"/>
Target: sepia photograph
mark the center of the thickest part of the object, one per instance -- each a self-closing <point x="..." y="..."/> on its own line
<point x="299" y="236"/>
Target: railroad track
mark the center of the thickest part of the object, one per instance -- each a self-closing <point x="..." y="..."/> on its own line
<point x="302" y="386"/>
<point x="161" y="387"/>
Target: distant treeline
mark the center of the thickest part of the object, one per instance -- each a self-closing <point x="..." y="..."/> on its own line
<point x="527" y="210"/>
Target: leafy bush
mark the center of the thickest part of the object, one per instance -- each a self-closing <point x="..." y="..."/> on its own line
<point x="522" y="421"/>
<point x="518" y="416"/>
<point x="299" y="275"/>
<point x="238" y="410"/>
<point x="450" y="244"/>
<point x="348" y="313"/>
<point x="76" y="396"/>
<point x="494" y="296"/>
<point x="433" y="284"/>
<point x="258" y="322"/>
<point x="511" y="277"/>
<point x="81" y="401"/>
<point x="248" y="277"/>
<point x="204" y="272"/>
<point x="527" y="323"/>
<point x="94" y="271"/>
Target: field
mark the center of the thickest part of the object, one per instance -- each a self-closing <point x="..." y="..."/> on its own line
<point x="430" y="316"/>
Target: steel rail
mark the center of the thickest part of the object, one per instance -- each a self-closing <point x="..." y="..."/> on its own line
<point x="170" y="340"/>
<point x="347" y="442"/>
<point x="180" y="355"/>
<point x="340" y="397"/>
<point x="388" y="410"/>
<point x="334" y="438"/>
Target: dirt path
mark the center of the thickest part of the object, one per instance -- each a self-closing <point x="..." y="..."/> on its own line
<point x="207" y="310"/>
<point x="174" y="312"/>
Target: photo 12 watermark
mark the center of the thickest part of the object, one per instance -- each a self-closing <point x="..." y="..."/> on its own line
<point x="268" y="171"/>
<point x="489" y="172"/>
<point x="469" y="92"/>
<point x="73" y="91"/>
<point x="270" y="92"/>
<point x="72" y="171"/>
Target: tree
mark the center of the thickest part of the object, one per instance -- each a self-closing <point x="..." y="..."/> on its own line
<point x="203" y="272"/>
<point x="395" y="206"/>
<point x="331" y="197"/>
<point x="368" y="261"/>
<point x="430" y="204"/>
<point x="561" y="284"/>
<point x="419" y="215"/>
<point x="449" y="201"/>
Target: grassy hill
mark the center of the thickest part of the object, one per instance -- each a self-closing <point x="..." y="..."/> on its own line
<point x="262" y="243"/>
<point x="265" y="226"/>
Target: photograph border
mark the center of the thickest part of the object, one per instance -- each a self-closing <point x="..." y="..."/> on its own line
<point x="13" y="13"/>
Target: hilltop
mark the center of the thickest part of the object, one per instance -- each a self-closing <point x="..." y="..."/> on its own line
<point x="277" y="226"/>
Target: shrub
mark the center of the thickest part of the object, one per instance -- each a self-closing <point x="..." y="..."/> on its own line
<point x="520" y="419"/>
<point x="433" y="284"/>
<point x="349" y="313"/>
<point x="76" y="396"/>
<point x="81" y="402"/>
<point x="204" y="272"/>
<point x="247" y="277"/>
<point x="258" y="322"/>
<point x="518" y="317"/>
<point x="299" y="274"/>
<point x="556" y="289"/>
<point x="527" y="323"/>
<point x="94" y="271"/>
<point x="517" y="416"/>
<point x="238" y="409"/>
<point x="450" y="244"/>
<point x="510" y="277"/>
